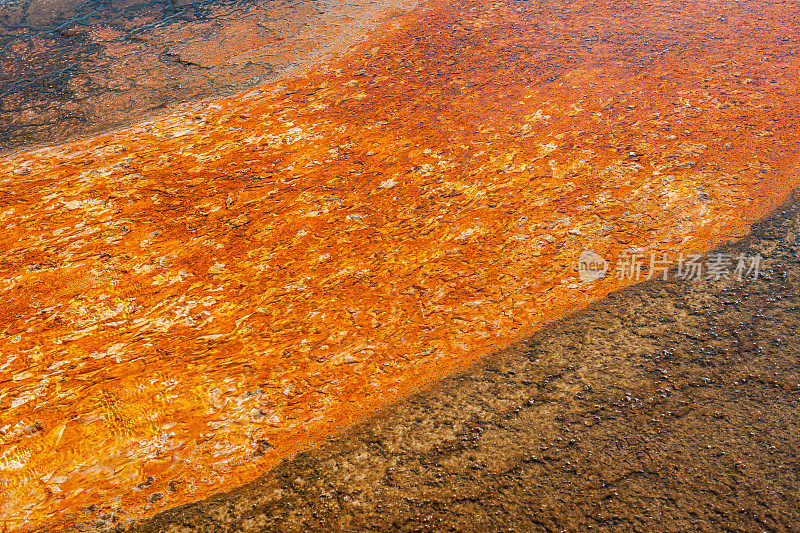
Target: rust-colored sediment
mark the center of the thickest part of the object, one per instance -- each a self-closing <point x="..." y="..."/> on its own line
<point x="186" y="301"/>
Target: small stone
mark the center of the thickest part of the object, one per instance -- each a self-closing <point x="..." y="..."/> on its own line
<point x="146" y="483"/>
<point x="262" y="446"/>
<point x="34" y="428"/>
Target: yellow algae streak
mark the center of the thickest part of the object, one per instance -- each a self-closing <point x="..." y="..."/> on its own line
<point x="187" y="301"/>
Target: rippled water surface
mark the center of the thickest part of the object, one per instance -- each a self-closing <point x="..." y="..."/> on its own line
<point x="187" y="300"/>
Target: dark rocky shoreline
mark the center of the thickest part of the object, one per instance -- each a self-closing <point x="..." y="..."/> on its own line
<point x="669" y="406"/>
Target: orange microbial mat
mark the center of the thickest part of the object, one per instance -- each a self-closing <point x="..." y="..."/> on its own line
<point x="187" y="301"/>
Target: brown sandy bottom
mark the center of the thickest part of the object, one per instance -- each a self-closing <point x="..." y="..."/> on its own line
<point x="667" y="406"/>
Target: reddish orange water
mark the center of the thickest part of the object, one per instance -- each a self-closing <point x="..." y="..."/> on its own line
<point x="277" y="264"/>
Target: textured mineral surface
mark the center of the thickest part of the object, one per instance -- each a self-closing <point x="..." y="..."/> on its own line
<point x="187" y="301"/>
<point x="669" y="406"/>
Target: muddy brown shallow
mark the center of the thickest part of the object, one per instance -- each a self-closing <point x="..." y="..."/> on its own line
<point x="667" y="406"/>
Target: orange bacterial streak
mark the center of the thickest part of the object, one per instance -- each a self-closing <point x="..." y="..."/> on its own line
<point x="265" y="268"/>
